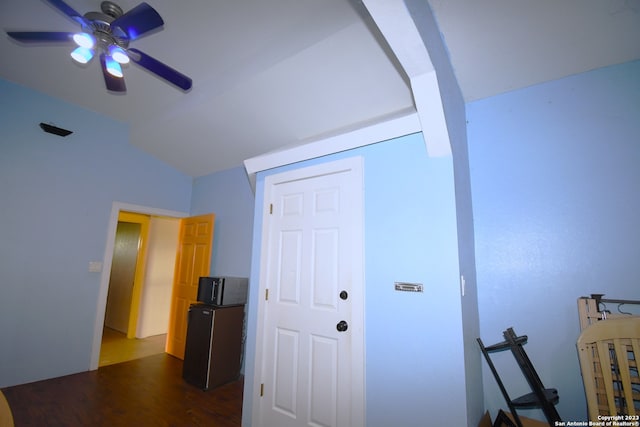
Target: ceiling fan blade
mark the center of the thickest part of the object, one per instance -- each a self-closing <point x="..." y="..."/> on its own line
<point x="160" y="69"/>
<point x="68" y="10"/>
<point x="138" y="21"/>
<point x="114" y="84"/>
<point x="40" y="36"/>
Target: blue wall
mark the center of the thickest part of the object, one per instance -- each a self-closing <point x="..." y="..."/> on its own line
<point x="228" y="195"/>
<point x="413" y="345"/>
<point x="555" y="179"/>
<point x="57" y="195"/>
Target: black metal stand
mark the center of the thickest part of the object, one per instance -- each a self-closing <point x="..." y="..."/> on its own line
<point x="540" y="397"/>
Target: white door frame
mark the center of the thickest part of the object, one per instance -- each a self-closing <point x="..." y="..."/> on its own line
<point x="354" y="165"/>
<point x="107" y="260"/>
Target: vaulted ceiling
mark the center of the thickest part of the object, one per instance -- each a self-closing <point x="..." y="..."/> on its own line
<point x="276" y="73"/>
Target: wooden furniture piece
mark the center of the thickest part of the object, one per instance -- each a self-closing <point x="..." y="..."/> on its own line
<point x="502" y="420"/>
<point x="505" y="419"/>
<point x="6" y="417"/>
<point x="540" y="397"/>
<point x="592" y="309"/>
<point x="608" y="353"/>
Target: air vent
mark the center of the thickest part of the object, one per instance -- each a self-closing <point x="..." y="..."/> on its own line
<point x="55" y="130"/>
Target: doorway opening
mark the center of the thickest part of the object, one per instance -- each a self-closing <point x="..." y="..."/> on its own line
<point x="133" y="306"/>
<point x="140" y="285"/>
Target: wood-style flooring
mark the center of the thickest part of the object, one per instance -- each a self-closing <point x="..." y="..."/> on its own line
<point x="142" y="392"/>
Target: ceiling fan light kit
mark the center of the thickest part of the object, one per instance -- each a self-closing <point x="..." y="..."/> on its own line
<point x="118" y="54"/>
<point x="84" y="40"/>
<point x="108" y="33"/>
<point x="82" y="55"/>
<point x="113" y="67"/>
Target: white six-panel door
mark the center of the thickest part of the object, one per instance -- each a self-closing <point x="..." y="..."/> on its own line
<point x="311" y="372"/>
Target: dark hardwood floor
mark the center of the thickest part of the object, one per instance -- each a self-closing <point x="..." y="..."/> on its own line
<point x="143" y="392"/>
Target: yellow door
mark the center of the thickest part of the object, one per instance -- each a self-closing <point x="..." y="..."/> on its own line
<point x="192" y="261"/>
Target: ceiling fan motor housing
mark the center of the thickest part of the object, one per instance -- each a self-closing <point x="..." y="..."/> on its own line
<point x="101" y="29"/>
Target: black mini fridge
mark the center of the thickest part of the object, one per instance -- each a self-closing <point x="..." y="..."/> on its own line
<point x="213" y="350"/>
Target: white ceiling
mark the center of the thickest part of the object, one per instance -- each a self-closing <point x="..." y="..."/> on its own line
<point x="276" y="73"/>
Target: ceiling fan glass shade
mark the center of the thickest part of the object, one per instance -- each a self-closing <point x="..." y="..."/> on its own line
<point x="118" y="54"/>
<point x="82" y="54"/>
<point x="84" y="40"/>
<point x="113" y="67"/>
<point x="138" y="21"/>
<point x="160" y="69"/>
<point x="39" y="36"/>
<point x="114" y="84"/>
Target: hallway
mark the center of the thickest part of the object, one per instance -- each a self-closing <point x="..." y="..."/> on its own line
<point x="116" y="348"/>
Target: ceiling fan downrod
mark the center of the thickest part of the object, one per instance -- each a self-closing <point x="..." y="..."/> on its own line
<point x="111" y="9"/>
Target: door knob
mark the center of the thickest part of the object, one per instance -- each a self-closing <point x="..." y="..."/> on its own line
<point x="344" y="295"/>
<point x="342" y="326"/>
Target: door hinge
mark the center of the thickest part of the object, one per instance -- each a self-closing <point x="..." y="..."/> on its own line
<point x="270" y="208"/>
<point x="266" y="294"/>
<point x="261" y="389"/>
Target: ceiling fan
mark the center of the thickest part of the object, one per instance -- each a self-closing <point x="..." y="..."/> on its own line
<point x="107" y="33"/>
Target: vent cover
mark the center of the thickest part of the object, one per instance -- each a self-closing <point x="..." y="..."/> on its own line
<point x="55" y="130"/>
